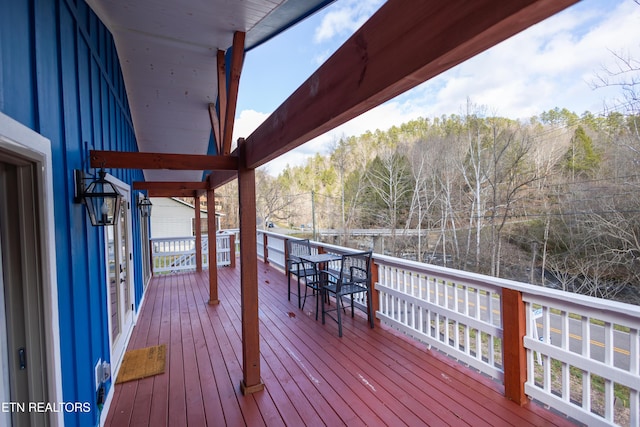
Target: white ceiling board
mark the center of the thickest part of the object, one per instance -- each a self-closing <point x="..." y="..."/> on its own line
<point x="172" y="176"/>
<point x="167" y="50"/>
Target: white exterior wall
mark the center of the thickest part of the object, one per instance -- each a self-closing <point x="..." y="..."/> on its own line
<point x="171" y="218"/>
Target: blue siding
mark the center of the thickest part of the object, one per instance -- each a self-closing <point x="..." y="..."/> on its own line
<point x="60" y="76"/>
<point x="16" y="87"/>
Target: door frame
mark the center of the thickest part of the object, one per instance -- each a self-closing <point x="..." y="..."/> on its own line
<point x="5" y="387"/>
<point x="21" y="141"/>
<point x="116" y="357"/>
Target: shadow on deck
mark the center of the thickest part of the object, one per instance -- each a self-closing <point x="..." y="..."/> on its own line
<point x="369" y="377"/>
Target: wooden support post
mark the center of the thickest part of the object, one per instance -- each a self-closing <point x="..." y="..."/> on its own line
<point x="237" y="57"/>
<point x="251" y="381"/>
<point x="515" y="360"/>
<point x="375" y="298"/>
<point x="222" y="97"/>
<point x="265" y="245"/>
<point x="213" y="254"/>
<point x="198" y="229"/>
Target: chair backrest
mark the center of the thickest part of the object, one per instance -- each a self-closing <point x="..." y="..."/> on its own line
<point x="295" y="248"/>
<point x="355" y="267"/>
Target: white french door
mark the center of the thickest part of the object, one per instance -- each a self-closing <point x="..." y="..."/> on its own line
<point x="119" y="281"/>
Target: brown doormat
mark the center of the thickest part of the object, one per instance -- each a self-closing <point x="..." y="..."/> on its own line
<point x="142" y="363"/>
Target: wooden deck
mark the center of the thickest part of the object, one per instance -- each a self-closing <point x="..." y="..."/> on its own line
<point x="369" y="377"/>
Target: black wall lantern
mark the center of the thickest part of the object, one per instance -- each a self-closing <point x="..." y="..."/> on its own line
<point x="145" y="207"/>
<point x="101" y="198"/>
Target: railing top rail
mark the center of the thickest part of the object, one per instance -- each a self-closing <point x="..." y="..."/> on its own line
<point x="548" y="294"/>
<point x="173" y="238"/>
<point x="526" y="288"/>
<point x="204" y="236"/>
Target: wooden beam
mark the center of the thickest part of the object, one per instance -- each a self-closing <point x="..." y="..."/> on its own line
<point x="134" y="160"/>
<point x="251" y="381"/>
<point x="175" y="193"/>
<point x="169" y="185"/>
<point x="399" y="47"/>
<point x="220" y="178"/>
<point x="222" y="97"/>
<point x="232" y="94"/>
<point x="215" y="126"/>
<point x="198" y="230"/>
<point x="213" y="255"/>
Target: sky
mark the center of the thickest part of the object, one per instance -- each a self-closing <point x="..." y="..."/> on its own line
<point x="552" y="64"/>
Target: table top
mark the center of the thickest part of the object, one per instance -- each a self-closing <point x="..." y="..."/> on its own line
<point x="318" y="258"/>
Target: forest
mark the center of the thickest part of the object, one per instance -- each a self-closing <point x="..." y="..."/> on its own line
<point x="552" y="200"/>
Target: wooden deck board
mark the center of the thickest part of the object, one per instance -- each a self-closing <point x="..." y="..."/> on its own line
<point x="312" y="377"/>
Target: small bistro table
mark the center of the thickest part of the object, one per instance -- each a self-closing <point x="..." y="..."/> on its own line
<point x="318" y="261"/>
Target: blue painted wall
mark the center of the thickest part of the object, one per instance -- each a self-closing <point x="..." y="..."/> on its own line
<point x="60" y="76"/>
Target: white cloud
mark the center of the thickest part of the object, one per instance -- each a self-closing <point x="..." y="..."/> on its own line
<point x="345" y="19"/>
<point x="549" y="65"/>
<point x="246" y="122"/>
<point x="382" y="117"/>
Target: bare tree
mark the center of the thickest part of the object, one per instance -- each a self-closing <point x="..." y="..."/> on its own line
<point x="475" y="175"/>
<point x="424" y="193"/>
<point x="271" y="203"/>
<point x="510" y="173"/>
<point x="390" y="180"/>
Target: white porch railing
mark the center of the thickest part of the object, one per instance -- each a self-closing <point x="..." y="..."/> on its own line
<point x="586" y="359"/>
<point x="172" y="255"/>
<point x="582" y="353"/>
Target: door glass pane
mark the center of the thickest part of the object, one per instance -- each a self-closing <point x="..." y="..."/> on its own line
<point x="113" y="283"/>
<point x="124" y="257"/>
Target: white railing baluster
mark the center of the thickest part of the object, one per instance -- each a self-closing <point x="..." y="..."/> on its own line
<point x="172" y="255"/>
<point x="634" y="368"/>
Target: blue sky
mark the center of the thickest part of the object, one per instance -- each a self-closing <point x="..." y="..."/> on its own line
<point x="549" y="65"/>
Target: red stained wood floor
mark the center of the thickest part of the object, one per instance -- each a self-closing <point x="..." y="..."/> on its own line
<point x="369" y="377"/>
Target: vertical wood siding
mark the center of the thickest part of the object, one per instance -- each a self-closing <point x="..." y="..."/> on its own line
<point x="60" y="76"/>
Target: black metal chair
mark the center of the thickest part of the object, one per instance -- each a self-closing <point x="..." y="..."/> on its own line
<point x="295" y="266"/>
<point x="354" y="277"/>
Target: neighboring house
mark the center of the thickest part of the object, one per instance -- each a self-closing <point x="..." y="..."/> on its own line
<point x="172" y="217"/>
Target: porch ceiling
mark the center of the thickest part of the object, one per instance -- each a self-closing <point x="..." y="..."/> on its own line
<point x="167" y="50"/>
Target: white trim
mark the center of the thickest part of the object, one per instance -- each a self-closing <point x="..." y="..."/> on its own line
<point x="19" y="139"/>
<point x="114" y="373"/>
<point x="116" y="359"/>
<point x="5" y="392"/>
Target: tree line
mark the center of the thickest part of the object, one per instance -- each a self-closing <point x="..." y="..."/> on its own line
<point x="551" y="200"/>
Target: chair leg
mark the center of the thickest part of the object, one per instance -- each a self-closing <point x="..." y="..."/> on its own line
<point x="338" y="304"/>
<point x="300" y="303"/>
<point x="352" y="311"/>
<point x="322" y="303"/>
<point x="288" y="285"/>
<point x="304" y="299"/>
